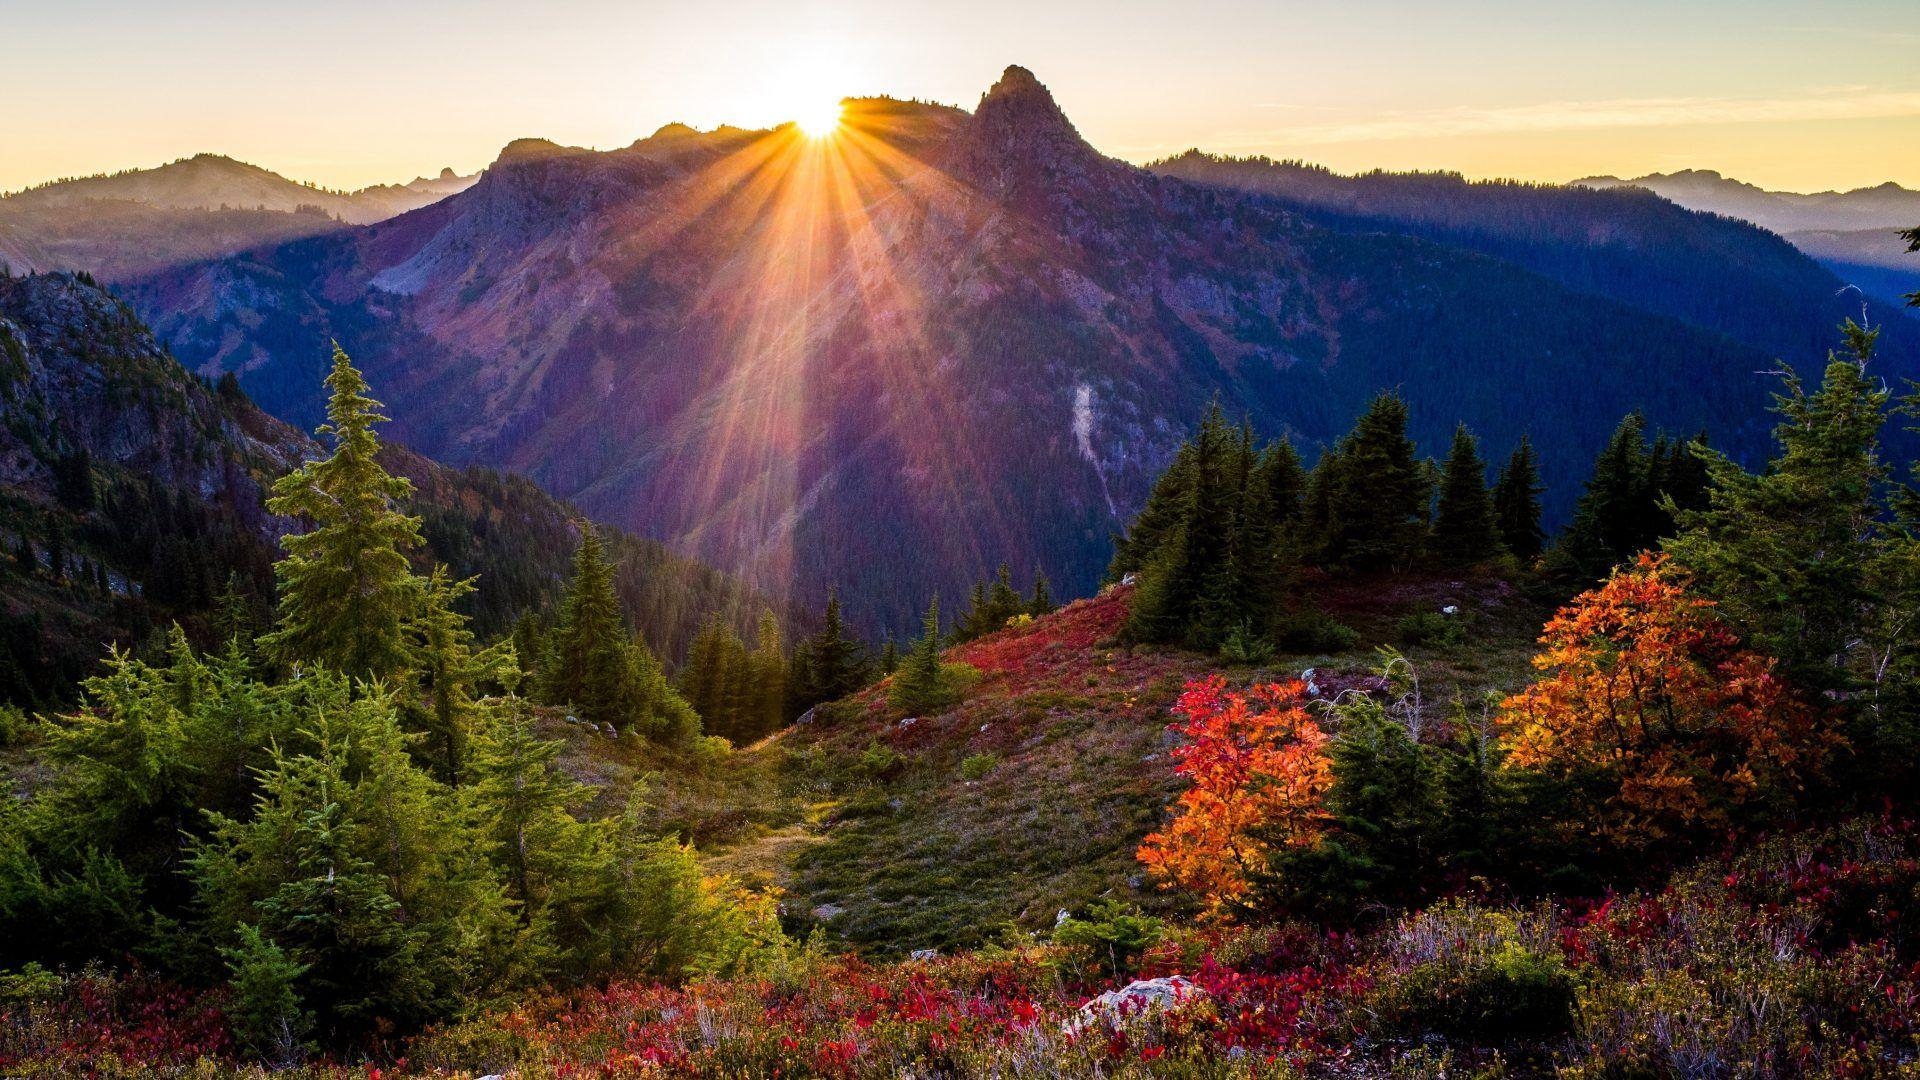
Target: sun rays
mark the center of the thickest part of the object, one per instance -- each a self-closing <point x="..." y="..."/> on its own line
<point x="811" y="314"/>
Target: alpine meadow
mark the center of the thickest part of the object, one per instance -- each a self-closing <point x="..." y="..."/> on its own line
<point x="1258" y="557"/>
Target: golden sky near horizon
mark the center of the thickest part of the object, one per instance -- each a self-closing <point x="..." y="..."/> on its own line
<point x="1796" y="96"/>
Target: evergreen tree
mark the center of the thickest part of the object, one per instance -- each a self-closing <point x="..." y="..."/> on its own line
<point x="73" y="480"/>
<point x="889" y="656"/>
<point x="346" y="590"/>
<point x="1682" y="479"/>
<point x="1286" y="483"/>
<point x="1516" y="503"/>
<point x="703" y="678"/>
<point x="834" y="663"/>
<point x="1176" y="577"/>
<point x="1617" y="514"/>
<point x="1787" y="554"/>
<point x="56" y="551"/>
<point x="1042" y="600"/>
<point x="448" y="668"/>
<point x="1379" y="492"/>
<point x="529" y="644"/>
<point x="769" y="681"/>
<point x="594" y="664"/>
<point x="1164" y="510"/>
<point x="234" y="618"/>
<point x="919" y="686"/>
<point x="992" y="605"/>
<point x="1464" y="528"/>
<point x="522" y="799"/>
<point x="1242" y="593"/>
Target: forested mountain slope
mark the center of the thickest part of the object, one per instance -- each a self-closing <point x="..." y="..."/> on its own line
<point x="131" y="494"/>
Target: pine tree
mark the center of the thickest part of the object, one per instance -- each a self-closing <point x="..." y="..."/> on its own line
<point x="1242" y="593"/>
<point x="835" y="664"/>
<point x="918" y="686"/>
<point x="1787" y="554"/>
<point x="234" y="617"/>
<point x="346" y="589"/>
<point x="73" y="482"/>
<point x="1617" y="514"/>
<point x="769" y="665"/>
<point x="889" y="656"/>
<point x="1178" y="578"/>
<point x="529" y="644"/>
<point x="703" y="677"/>
<point x="56" y="552"/>
<point x="1163" y="512"/>
<point x="1379" y="492"/>
<point x="1042" y="600"/>
<point x="448" y="668"/>
<point x="1464" y="528"/>
<point x="1516" y="503"/>
<point x="522" y="797"/>
<point x="587" y="665"/>
<point x="1286" y="482"/>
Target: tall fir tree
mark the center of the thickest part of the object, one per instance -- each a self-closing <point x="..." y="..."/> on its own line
<point x="918" y="686"/>
<point x="769" y="666"/>
<point x="1516" y="503"/>
<point x="1618" y="513"/>
<point x="1787" y="555"/>
<point x="346" y="589"/>
<point x="1041" y="602"/>
<point x="449" y="667"/>
<point x="1465" y="530"/>
<point x="594" y="663"/>
<point x="831" y="665"/>
<point x="1379" y="492"/>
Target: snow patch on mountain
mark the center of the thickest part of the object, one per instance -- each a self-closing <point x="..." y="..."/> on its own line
<point x="1083" y="437"/>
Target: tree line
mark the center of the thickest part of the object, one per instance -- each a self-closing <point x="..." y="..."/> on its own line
<point x="1230" y="525"/>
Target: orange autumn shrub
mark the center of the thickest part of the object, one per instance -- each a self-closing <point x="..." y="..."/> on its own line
<point x="1260" y="774"/>
<point x="1652" y="696"/>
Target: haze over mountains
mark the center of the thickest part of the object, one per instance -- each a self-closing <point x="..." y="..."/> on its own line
<point x="1855" y="233"/>
<point x="892" y="359"/>
<point x="196" y="208"/>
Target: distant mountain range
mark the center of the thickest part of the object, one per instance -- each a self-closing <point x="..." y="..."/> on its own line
<point x="890" y="360"/>
<point x="1855" y="233"/>
<point x="203" y="207"/>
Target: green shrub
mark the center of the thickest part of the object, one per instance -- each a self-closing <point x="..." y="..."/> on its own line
<point x="1432" y="628"/>
<point x="30" y="985"/>
<point x="1114" y="935"/>
<point x="977" y="766"/>
<point x="876" y="761"/>
<point x="13" y="724"/>
<point x="923" y="696"/>
<point x="1513" y="992"/>
<point x="1314" y="632"/>
<point x="1243" y="646"/>
<point x="265" y="1013"/>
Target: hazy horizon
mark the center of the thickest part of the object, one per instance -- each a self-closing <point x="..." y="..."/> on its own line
<point x="360" y="94"/>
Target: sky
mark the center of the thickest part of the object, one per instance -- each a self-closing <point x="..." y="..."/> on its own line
<point x="1795" y="96"/>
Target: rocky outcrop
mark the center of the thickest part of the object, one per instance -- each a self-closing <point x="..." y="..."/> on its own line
<point x="1140" y="1001"/>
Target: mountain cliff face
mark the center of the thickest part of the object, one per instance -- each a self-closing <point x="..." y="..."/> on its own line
<point x="204" y="207"/>
<point x="130" y="490"/>
<point x="890" y="360"/>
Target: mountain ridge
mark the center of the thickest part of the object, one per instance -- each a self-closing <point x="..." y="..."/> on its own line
<point x="972" y="330"/>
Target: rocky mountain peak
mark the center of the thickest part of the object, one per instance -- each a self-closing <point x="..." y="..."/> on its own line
<point x="1019" y="138"/>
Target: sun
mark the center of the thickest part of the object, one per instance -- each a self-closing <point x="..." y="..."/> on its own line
<point x="819" y="119"/>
